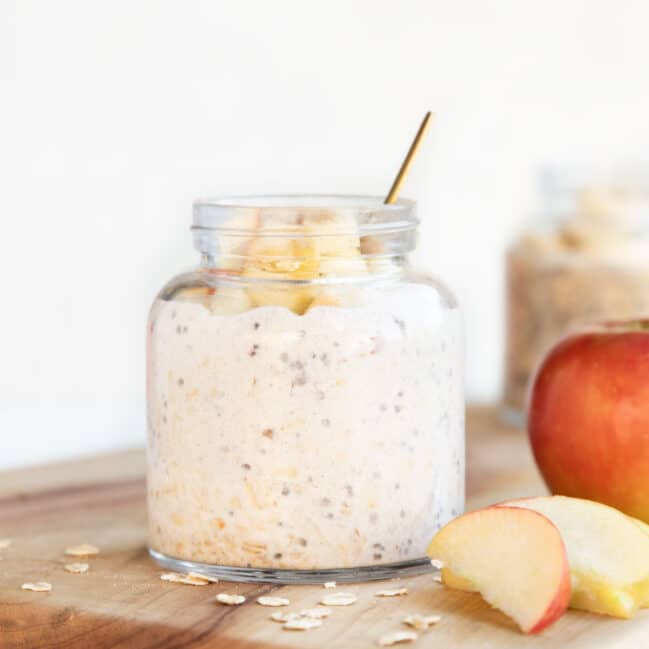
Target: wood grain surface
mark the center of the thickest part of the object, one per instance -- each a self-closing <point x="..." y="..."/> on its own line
<point x="121" y="602"/>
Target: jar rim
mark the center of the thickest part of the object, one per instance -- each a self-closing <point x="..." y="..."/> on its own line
<point x="363" y="214"/>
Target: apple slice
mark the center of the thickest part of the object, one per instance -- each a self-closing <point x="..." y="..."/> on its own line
<point x="608" y="553"/>
<point x="517" y="562"/>
<point x="456" y="582"/>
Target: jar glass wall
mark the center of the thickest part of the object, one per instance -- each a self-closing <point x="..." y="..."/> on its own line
<point x="305" y="395"/>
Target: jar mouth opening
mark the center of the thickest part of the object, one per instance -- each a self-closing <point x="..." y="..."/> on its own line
<point x="298" y="215"/>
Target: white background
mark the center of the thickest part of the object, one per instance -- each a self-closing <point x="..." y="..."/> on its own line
<point x="115" y="115"/>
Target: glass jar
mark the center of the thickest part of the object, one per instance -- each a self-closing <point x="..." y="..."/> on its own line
<point x="305" y="395"/>
<point x="585" y="260"/>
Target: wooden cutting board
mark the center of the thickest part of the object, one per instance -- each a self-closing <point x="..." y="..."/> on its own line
<point x="122" y="603"/>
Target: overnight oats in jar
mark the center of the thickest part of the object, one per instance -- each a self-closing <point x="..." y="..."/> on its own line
<point x="305" y="395"/>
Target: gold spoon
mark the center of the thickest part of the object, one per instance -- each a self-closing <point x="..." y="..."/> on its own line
<point x="393" y="194"/>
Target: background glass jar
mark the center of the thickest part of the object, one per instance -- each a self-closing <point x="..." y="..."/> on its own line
<point x="305" y="395"/>
<point x="585" y="260"/>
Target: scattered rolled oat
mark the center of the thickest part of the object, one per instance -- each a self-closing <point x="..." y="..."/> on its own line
<point x="284" y="616"/>
<point x="338" y="599"/>
<point x="4" y="543"/>
<point x="193" y="581"/>
<point x="316" y="613"/>
<point x="438" y="579"/>
<point x="77" y="568"/>
<point x="421" y="622"/>
<point x="396" y="637"/>
<point x="230" y="600"/>
<point x="391" y="592"/>
<point x="83" y="550"/>
<point x="265" y="600"/>
<point x="436" y="563"/>
<point x="177" y="578"/>
<point x="38" y="587"/>
<point x="329" y="584"/>
<point x="302" y="624"/>
<point x="170" y="576"/>
<point x="198" y="575"/>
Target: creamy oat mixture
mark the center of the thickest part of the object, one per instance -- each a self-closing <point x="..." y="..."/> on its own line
<point x="331" y="439"/>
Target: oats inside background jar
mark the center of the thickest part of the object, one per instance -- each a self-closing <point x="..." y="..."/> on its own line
<point x="586" y="261"/>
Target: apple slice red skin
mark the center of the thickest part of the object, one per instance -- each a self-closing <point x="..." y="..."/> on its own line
<point x="588" y="417"/>
<point x="558" y="606"/>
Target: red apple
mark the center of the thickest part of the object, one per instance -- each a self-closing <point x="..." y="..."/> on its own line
<point x="588" y="417"/>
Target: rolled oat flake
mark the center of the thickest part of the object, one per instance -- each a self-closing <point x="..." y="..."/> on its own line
<point x="302" y="624"/>
<point x="191" y="580"/>
<point x="38" y="587"/>
<point x="338" y="599"/>
<point x="391" y="592"/>
<point x="83" y="550"/>
<point x="230" y="600"/>
<point x="77" y="568"/>
<point x="272" y="601"/>
<point x="421" y="622"/>
<point x="397" y="637"/>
